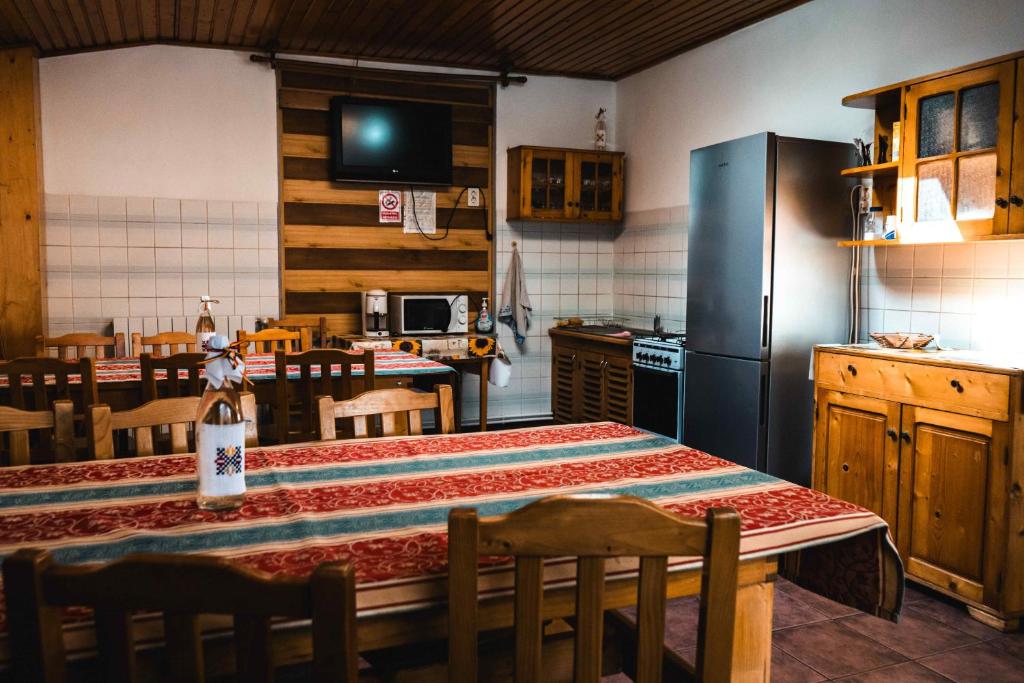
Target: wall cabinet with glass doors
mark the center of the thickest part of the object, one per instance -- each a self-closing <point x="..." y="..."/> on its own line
<point x="959" y="174"/>
<point x="547" y="183"/>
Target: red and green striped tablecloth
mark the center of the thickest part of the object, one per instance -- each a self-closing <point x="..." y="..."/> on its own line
<point x="259" y="367"/>
<point x="383" y="505"/>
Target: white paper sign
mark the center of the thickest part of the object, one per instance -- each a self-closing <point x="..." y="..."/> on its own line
<point x="421" y="210"/>
<point x="389" y="205"/>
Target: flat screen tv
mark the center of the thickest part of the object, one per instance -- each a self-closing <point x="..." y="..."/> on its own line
<point x="391" y="141"/>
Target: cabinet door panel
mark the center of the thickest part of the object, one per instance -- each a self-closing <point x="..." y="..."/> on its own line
<point x="856" y="451"/>
<point x="1017" y="174"/>
<point x="547" y="179"/>
<point x="591" y="393"/>
<point x="618" y="388"/>
<point x="955" y="164"/>
<point x="563" y="363"/>
<point x="949" y="467"/>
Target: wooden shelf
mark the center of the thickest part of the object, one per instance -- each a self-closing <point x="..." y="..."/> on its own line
<point x="886" y="170"/>
<point x="897" y="243"/>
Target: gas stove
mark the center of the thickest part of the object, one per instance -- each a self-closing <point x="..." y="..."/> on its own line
<point x="663" y="351"/>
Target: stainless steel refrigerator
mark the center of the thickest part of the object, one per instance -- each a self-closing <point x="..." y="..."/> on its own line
<point x="765" y="282"/>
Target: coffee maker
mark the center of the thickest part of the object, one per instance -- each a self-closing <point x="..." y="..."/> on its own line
<point x="375" y="313"/>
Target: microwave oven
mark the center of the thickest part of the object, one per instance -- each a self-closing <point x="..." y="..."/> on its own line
<point x="428" y="313"/>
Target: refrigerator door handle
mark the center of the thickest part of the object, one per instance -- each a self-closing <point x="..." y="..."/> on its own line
<point x="764" y="322"/>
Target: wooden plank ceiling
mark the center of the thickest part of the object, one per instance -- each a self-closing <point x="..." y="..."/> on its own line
<point x="584" y="38"/>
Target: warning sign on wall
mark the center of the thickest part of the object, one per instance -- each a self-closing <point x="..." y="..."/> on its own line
<point x="389" y="205"/>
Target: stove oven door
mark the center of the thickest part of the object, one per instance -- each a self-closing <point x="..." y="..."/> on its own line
<point x="658" y="401"/>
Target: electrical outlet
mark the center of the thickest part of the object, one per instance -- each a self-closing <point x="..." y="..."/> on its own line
<point x="473" y="196"/>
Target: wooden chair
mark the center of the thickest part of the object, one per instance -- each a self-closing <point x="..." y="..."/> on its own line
<point x="317" y="332"/>
<point x="81" y="344"/>
<point x="593" y="529"/>
<point x="176" y="413"/>
<point x="29" y="389"/>
<point x="58" y="426"/>
<point x="297" y="398"/>
<point x="273" y="339"/>
<point x="183" y="587"/>
<point x="172" y="385"/>
<point x="399" y="410"/>
<point x="175" y="342"/>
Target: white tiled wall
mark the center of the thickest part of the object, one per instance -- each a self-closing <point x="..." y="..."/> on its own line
<point x="971" y="295"/>
<point x="569" y="270"/>
<point x="140" y="264"/>
<point x="650" y="268"/>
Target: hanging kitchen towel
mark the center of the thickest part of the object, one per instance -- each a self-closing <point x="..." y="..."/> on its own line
<point x="515" y="302"/>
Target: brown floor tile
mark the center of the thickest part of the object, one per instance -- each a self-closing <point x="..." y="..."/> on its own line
<point x="829" y="608"/>
<point x="786" y="669"/>
<point x="908" y="672"/>
<point x="1012" y="643"/>
<point x="979" y="663"/>
<point x="917" y="635"/>
<point x="952" y="614"/>
<point x="834" y="650"/>
<point x="790" y="611"/>
<point x="681" y="617"/>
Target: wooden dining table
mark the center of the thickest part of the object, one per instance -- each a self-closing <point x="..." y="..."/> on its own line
<point x="383" y="504"/>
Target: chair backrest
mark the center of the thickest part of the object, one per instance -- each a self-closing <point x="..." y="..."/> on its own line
<point x="35" y="383"/>
<point x="175" y="413"/>
<point x="182" y="587"/>
<point x="172" y="385"/>
<point x="81" y="344"/>
<point x="175" y="342"/>
<point x="399" y="411"/>
<point x="273" y="339"/>
<point x="593" y="529"/>
<point x="57" y="427"/>
<point x="315" y="378"/>
<point x="317" y="331"/>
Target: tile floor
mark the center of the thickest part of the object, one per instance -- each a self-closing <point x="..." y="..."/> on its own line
<point x="816" y="639"/>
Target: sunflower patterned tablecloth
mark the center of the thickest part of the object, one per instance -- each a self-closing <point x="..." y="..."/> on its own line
<point x="383" y="505"/>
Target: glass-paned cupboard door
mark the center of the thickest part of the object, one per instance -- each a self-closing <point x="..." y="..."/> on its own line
<point x="955" y="166"/>
<point x="599" y="193"/>
<point x="550" y="181"/>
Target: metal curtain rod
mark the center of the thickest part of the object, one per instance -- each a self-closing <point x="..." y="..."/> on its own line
<point x="503" y="79"/>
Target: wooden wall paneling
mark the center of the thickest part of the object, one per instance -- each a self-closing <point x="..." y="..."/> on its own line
<point x="332" y="245"/>
<point x="21" y="169"/>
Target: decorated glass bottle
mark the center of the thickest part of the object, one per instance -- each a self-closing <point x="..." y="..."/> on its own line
<point x="205" y="328"/>
<point x="220" y="432"/>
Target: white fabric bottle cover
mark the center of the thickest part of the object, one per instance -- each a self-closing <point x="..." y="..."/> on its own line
<point x="221" y="460"/>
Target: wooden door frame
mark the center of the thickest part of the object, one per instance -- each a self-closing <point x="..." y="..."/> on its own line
<point x="1015" y="223"/>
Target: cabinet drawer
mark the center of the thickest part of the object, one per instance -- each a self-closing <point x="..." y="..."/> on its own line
<point x="968" y="392"/>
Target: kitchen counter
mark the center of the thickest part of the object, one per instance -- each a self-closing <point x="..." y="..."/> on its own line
<point x="1005" y="362"/>
<point x="599" y="332"/>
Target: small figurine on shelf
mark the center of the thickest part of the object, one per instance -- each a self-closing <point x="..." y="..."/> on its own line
<point x="883" y="149"/>
<point x="484" y="321"/>
<point x="600" y="131"/>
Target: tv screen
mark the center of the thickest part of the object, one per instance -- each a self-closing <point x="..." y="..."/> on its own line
<point x="391" y="141"/>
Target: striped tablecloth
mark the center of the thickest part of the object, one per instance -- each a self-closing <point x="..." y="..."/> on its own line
<point x="259" y="367"/>
<point x="383" y="505"/>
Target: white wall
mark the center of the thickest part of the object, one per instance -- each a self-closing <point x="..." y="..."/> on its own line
<point x="789" y="74"/>
<point x="159" y="121"/>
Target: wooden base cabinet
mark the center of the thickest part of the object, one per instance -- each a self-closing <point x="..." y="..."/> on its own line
<point x="937" y="450"/>
<point x="591" y="379"/>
